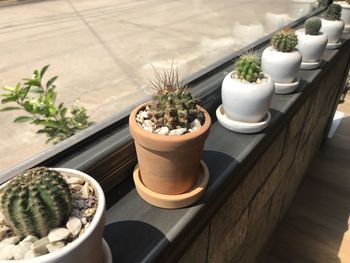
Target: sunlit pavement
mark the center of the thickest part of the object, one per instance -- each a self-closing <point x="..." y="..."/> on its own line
<point x="102" y="50"/>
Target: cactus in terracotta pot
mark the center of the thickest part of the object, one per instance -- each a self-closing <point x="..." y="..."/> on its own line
<point x="248" y="67"/>
<point x="333" y="12"/>
<point x="312" y="25"/>
<point x="284" y="40"/>
<point x="36" y="201"/>
<point x="172" y="104"/>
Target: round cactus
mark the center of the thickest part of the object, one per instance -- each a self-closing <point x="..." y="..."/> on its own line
<point x="312" y="25"/>
<point x="333" y="12"/>
<point x="172" y="104"/>
<point x="36" y="201"/>
<point x="248" y="67"/>
<point x="284" y="40"/>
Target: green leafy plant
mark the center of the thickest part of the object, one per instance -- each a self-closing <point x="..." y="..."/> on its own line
<point x="39" y="102"/>
<point x="333" y="12"/>
<point x="312" y="25"/>
<point x="284" y="40"/>
<point x="172" y="104"/>
<point x="248" y="67"/>
<point x="36" y="201"/>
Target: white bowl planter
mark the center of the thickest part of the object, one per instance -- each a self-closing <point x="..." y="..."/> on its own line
<point x="90" y="246"/>
<point x="300" y="8"/>
<point x="282" y="67"/>
<point x="345" y="15"/>
<point x="333" y="31"/>
<point x="311" y="48"/>
<point x="246" y="102"/>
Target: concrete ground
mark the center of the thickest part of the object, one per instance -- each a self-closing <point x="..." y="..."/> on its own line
<point x="102" y="50"/>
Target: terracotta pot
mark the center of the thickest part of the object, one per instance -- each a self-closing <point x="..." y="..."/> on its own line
<point x="169" y="164"/>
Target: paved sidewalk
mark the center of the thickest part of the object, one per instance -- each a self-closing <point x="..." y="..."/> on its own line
<point x="102" y="50"/>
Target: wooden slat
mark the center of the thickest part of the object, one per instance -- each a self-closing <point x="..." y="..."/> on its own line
<point x="315" y="228"/>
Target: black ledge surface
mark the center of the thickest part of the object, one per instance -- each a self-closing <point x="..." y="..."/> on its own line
<point x="139" y="232"/>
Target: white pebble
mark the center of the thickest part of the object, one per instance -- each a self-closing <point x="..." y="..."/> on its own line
<point x="179" y="131"/>
<point x="144" y="114"/>
<point x="258" y="81"/>
<point x="148" y="123"/>
<point x="76" y="187"/>
<point x="149" y="129"/>
<point x="85" y="190"/>
<point x="74" y="180"/>
<point x="163" y="131"/>
<point x="39" y="247"/>
<point x="52" y="247"/>
<point x="30" y="254"/>
<point x="21" y="249"/>
<point x="74" y="225"/>
<point x="30" y="238"/>
<point x="58" y="234"/>
<point x="84" y="220"/>
<point x="195" y="124"/>
<point x="6" y="251"/>
<point x="10" y="240"/>
<point x="90" y="212"/>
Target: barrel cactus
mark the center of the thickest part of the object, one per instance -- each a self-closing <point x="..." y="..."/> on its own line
<point x="172" y="105"/>
<point x="333" y="12"/>
<point x="284" y="40"/>
<point x="312" y="25"/>
<point x="248" y="67"/>
<point x="36" y="201"/>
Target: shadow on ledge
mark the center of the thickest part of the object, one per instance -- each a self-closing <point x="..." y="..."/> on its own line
<point x="134" y="241"/>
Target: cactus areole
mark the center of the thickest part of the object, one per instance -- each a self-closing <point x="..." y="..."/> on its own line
<point x="36" y="201"/>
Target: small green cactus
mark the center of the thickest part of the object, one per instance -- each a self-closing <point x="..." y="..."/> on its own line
<point x="172" y="104"/>
<point x="312" y="25"/>
<point x="36" y="201"/>
<point x="333" y="12"/>
<point x="284" y="40"/>
<point x="248" y="67"/>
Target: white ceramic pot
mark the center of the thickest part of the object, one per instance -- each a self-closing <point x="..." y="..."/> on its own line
<point x="300" y="8"/>
<point x="88" y="248"/>
<point x="332" y="29"/>
<point x="282" y="67"/>
<point x="246" y="102"/>
<point x="311" y="46"/>
<point x="345" y="12"/>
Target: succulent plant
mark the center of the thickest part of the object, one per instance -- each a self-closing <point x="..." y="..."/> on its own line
<point x="172" y="104"/>
<point x="312" y="25"/>
<point x="333" y="12"/>
<point x="36" y="201"/>
<point x="248" y="67"/>
<point x="284" y="40"/>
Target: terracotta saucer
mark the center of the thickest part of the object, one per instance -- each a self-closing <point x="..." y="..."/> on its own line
<point x="241" y="127"/>
<point x="107" y="252"/>
<point x="334" y="45"/>
<point x="310" y="65"/>
<point x="172" y="201"/>
<point x="286" y="88"/>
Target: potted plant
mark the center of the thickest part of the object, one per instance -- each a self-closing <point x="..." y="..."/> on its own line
<point x="52" y="215"/>
<point x="169" y="134"/>
<point x="281" y="61"/>
<point x="312" y="43"/>
<point x="333" y="26"/>
<point x="246" y="94"/>
<point x="345" y="14"/>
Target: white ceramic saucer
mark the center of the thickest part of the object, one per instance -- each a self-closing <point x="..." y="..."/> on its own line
<point x="107" y="252"/>
<point x="286" y="88"/>
<point x="310" y="65"/>
<point x="334" y="45"/>
<point x="241" y="127"/>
